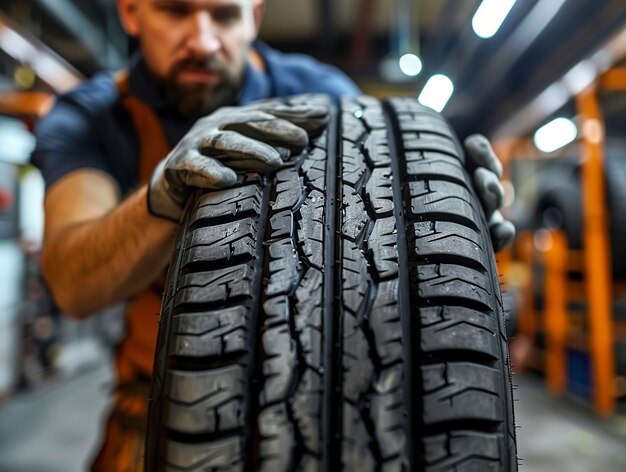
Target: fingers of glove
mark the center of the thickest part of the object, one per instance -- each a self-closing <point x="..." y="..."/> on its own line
<point x="241" y="152"/>
<point x="197" y="170"/>
<point x="312" y="118"/>
<point x="502" y="232"/>
<point x="481" y="154"/>
<point x="269" y="129"/>
<point x="489" y="189"/>
<point x="309" y="113"/>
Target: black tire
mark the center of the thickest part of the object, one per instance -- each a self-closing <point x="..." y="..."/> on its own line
<point x="615" y="171"/>
<point x="559" y="202"/>
<point x="309" y="323"/>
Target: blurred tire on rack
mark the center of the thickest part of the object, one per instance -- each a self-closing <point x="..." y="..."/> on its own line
<point x="559" y="203"/>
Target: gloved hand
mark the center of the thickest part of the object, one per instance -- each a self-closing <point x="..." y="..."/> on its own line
<point x="487" y="170"/>
<point x="256" y="137"/>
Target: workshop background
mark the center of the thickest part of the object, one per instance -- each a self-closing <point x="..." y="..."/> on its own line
<point x="543" y="79"/>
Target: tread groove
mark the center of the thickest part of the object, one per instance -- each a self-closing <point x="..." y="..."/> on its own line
<point x="331" y="418"/>
<point x="398" y="167"/>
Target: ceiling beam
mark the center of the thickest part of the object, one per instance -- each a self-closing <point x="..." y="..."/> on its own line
<point x="90" y="34"/>
<point x="565" y="89"/>
<point x="24" y="48"/>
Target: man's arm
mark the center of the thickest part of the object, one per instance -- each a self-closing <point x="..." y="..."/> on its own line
<point x="98" y="251"/>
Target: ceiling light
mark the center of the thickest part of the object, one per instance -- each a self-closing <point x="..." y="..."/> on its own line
<point x="410" y="64"/>
<point x="436" y="92"/>
<point x="490" y="16"/>
<point x="555" y="135"/>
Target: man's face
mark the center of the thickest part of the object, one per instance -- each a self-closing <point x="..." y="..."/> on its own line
<point x="196" y="49"/>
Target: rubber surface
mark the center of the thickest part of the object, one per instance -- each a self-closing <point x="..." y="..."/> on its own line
<point x="343" y="314"/>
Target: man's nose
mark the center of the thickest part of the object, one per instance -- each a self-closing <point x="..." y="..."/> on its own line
<point x="204" y="38"/>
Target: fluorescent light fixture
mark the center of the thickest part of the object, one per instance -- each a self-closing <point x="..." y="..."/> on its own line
<point x="580" y="76"/>
<point x="436" y="92"/>
<point x="490" y="16"/>
<point x="410" y="64"/>
<point x="555" y="135"/>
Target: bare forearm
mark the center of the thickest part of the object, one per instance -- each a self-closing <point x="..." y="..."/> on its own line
<point x="103" y="261"/>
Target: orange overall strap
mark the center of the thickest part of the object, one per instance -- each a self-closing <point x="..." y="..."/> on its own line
<point x="136" y="352"/>
<point x="153" y="145"/>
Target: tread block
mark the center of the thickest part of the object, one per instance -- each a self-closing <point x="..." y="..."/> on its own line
<point x="424" y="123"/>
<point x="452" y="328"/>
<point x="356" y="280"/>
<point x="442" y="201"/>
<point x="205" y="401"/>
<point x="281" y="224"/>
<point x="311" y="228"/>
<point x="357" y="366"/>
<point x="452" y="281"/>
<point x="455" y="391"/>
<point x="288" y="189"/>
<point x="221" y="242"/>
<point x="354" y="215"/>
<point x="231" y="202"/>
<point x="387" y="413"/>
<point x="306" y="409"/>
<point x="354" y="170"/>
<point x="215" y="285"/>
<point x="382" y="242"/>
<point x="356" y="453"/>
<point x="442" y="238"/>
<point x="276" y="310"/>
<point x="379" y="192"/>
<point x="431" y="142"/>
<point x="279" y="366"/>
<point x="314" y="169"/>
<point x="376" y="148"/>
<point x="385" y="324"/>
<point x="373" y="117"/>
<point x="308" y="317"/>
<point x="277" y="439"/>
<point x="218" y="455"/>
<point x="210" y="333"/>
<point x="353" y="129"/>
<point x="466" y="451"/>
<point x="435" y="165"/>
<point x="283" y="268"/>
<point x="404" y="105"/>
<point x="350" y="105"/>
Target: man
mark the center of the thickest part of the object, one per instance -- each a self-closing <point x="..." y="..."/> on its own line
<point x="116" y="188"/>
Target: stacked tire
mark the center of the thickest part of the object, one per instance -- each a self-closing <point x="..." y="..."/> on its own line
<point x="559" y="202"/>
<point x="342" y="314"/>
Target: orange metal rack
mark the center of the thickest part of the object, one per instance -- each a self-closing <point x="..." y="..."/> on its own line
<point x="563" y="328"/>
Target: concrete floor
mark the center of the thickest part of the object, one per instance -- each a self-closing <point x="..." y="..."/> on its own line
<point x="562" y="435"/>
<point x="57" y="430"/>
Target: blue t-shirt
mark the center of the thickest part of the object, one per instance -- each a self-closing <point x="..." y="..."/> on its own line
<point x="89" y="128"/>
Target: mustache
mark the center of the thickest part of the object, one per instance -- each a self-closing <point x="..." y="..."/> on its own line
<point x="206" y="64"/>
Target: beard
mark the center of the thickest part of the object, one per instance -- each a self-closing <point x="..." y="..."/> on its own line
<point x="200" y="99"/>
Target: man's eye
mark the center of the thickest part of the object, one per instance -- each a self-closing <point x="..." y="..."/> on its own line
<point x="175" y="9"/>
<point x="226" y="15"/>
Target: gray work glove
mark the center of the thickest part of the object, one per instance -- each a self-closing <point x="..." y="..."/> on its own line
<point x="487" y="170"/>
<point x="256" y="137"/>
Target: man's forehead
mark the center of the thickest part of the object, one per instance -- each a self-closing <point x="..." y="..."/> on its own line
<point x="209" y="3"/>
